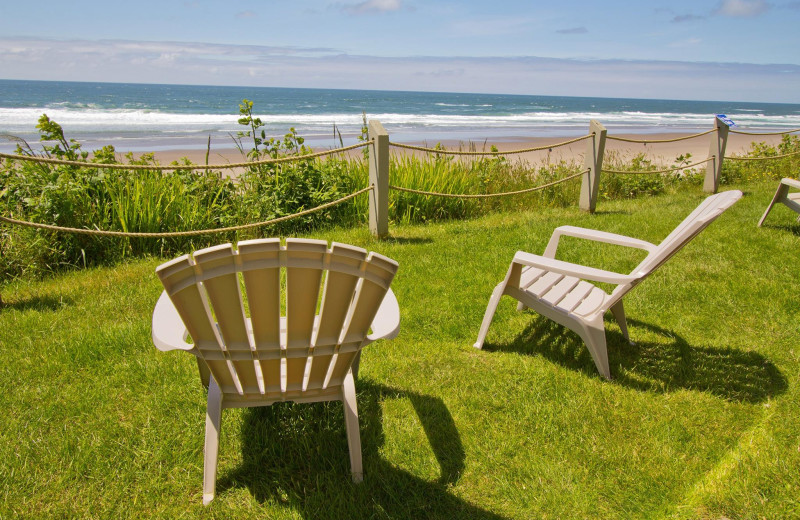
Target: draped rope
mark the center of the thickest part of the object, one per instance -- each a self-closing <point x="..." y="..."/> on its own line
<point x="486" y="195"/>
<point x="116" y="166"/>
<point x="659" y="171"/>
<point x="764" y="133"/>
<point x="648" y="141"/>
<point x="735" y="158"/>
<point x="510" y="152"/>
<point x="101" y="232"/>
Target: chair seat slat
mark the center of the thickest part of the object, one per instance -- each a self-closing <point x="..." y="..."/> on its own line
<point x="544" y="283"/>
<point x="575" y="296"/>
<point x="560" y="290"/>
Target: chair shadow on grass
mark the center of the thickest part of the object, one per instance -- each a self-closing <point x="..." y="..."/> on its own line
<point x="793" y="228"/>
<point x="727" y="373"/>
<point x="297" y="455"/>
<point x="612" y="212"/>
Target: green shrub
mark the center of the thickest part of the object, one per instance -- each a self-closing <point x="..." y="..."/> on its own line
<point x="737" y="171"/>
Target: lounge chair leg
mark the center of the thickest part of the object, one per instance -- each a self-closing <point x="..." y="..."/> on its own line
<point x="521" y="306"/>
<point x="489" y="314"/>
<point x="594" y="335"/>
<point x="213" y="420"/>
<point x="619" y="314"/>
<point x="351" y="425"/>
<point x="780" y="194"/>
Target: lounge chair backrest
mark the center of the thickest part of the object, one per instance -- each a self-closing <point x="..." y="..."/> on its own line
<point x="285" y="346"/>
<point x="697" y="221"/>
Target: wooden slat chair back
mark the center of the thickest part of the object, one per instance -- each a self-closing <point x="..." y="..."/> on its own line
<point x="257" y="342"/>
<point x="562" y="291"/>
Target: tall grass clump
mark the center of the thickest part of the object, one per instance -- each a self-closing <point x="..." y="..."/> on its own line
<point x="440" y="173"/>
<point x="159" y="201"/>
<point x="101" y="198"/>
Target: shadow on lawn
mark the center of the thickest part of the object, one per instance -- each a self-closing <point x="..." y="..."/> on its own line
<point x="297" y="455"/>
<point x="793" y="228"/>
<point x="39" y="303"/>
<point x="727" y="373"/>
<point x="392" y="239"/>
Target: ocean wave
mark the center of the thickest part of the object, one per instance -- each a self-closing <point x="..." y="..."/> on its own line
<point x="122" y="121"/>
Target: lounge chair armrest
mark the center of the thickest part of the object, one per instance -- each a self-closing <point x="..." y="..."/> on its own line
<point x="794" y="183"/>
<point x="386" y="324"/>
<point x="169" y="332"/>
<point x="595" y="235"/>
<point x="570" y="269"/>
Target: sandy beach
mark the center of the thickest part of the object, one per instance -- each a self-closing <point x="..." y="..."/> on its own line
<point x="658" y="153"/>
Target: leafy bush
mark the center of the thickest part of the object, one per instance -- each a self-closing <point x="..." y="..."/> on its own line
<point x="272" y="191"/>
<point x="777" y="168"/>
<point x="102" y="198"/>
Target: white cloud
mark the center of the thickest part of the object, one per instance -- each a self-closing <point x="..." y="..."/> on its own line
<point x="742" y="8"/>
<point x="249" y="65"/>
<point x="372" y="6"/>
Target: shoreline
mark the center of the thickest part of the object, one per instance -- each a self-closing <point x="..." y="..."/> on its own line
<point x="663" y="154"/>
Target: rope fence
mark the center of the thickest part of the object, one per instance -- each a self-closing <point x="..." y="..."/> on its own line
<point x="378" y="161"/>
<point x="765" y="158"/>
<point x="764" y="133"/>
<point x="653" y="141"/>
<point x="487" y="195"/>
<point x="493" y="153"/>
<point x="652" y="172"/>
<point x="173" y="234"/>
<point x="118" y="166"/>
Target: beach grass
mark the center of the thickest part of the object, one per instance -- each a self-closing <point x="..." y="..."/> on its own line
<point x="700" y="420"/>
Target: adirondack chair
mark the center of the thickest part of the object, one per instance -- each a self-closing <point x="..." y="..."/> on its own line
<point x="560" y="291"/>
<point x="253" y="354"/>
<point x="791" y="200"/>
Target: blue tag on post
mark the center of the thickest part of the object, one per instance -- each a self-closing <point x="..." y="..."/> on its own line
<point x="725" y="119"/>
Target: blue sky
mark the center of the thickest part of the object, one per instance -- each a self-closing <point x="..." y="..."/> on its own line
<point x="743" y="50"/>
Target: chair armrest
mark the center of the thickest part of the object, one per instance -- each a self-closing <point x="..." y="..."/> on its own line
<point x="570" y="269"/>
<point x="169" y="332"/>
<point x="386" y="324"/>
<point x="794" y="183"/>
<point x="595" y="235"/>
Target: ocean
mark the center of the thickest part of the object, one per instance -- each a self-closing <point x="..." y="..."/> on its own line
<point x="143" y="117"/>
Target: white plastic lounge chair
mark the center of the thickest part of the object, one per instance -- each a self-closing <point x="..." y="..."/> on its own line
<point x="299" y="355"/>
<point x="782" y="195"/>
<point x="560" y="291"/>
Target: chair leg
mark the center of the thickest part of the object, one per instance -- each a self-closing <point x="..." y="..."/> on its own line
<point x="213" y="421"/>
<point x="489" y="314"/>
<point x="780" y="195"/>
<point x="594" y="335"/>
<point x="619" y="314"/>
<point x="351" y="425"/>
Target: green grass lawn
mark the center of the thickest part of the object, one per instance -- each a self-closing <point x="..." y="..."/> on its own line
<point x="701" y="420"/>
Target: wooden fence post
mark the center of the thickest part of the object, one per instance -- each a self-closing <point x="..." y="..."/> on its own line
<point x="593" y="163"/>
<point x="379" y="179"/>
<point x="719" y="140"/>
